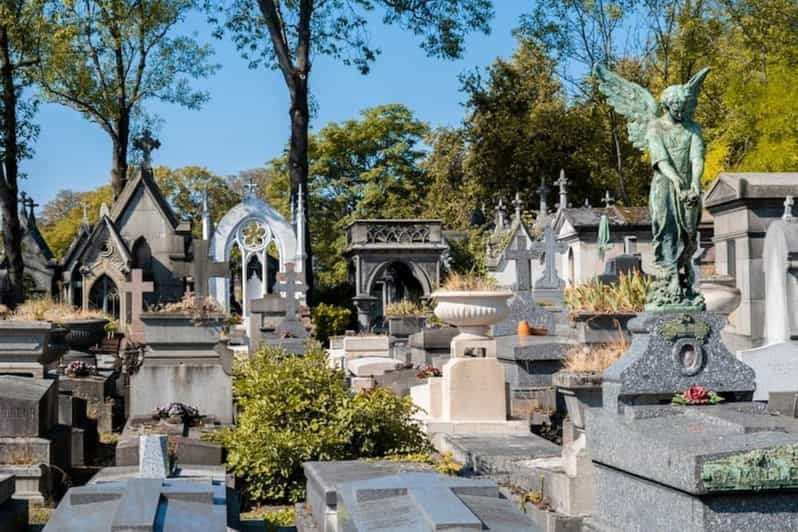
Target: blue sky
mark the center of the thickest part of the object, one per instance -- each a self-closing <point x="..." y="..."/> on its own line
<point x="246" y="121"/>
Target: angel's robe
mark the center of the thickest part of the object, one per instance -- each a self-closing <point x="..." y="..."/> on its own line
<point x="674" y="223"/>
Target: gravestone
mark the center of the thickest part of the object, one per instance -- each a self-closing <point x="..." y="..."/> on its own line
<point x="153" y="456"/>
<point x="730" y="466"/>
<point x="359" y="496"/>
<point x="291" y="284"/>
<point x="201" y="268"/>
<point x="33" y="446"/>
<point x="430" y="346"/>
<point x="30" y="348"/>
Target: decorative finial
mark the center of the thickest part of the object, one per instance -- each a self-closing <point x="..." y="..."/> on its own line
<point x="562" y="182"/>
<point x="104" y="210"/>
<point x="789" y="201"/>
<point x="587" y="204"/>
<point x="518" y="204"/>
<point x="543" y="193"/>
<point x="500" y="215"/>
<point x="607" y="200"/>
<point x="250" y="187"/>
<point x="85" y="220"/>
<point x="146" y="144"/>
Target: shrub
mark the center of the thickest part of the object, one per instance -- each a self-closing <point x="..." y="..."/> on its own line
<point x="627" y="295"/>
<point x="405" y="309"/>
<point x="295" y="409"/>
<point x="329" y="320"/>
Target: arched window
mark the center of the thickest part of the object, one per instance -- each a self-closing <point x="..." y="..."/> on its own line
<point x="142" y="257"/>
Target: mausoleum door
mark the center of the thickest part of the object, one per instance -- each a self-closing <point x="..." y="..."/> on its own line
<point x="104" y="296"/>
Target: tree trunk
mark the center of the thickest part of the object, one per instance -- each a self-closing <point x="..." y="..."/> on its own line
<point x="12" y="231"/>
<point x="298" y="160"/>
<point x="120" y="140"/>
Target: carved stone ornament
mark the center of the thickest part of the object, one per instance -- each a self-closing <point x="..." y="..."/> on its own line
<point x="398" y="234"/>
<point x="685" y="326"/>
<point x="761" y="469"/>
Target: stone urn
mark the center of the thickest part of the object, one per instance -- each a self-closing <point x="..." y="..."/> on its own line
<point x="472" y="312"/>
<point x="580" y="390"/>
<point x="721" y="294"/>
<point x="84" y="334"/>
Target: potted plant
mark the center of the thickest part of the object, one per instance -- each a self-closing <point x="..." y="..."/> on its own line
<point x="405" y="318"/>
<point x="580" y="381"/>
<point x="471" y="303"/>
<point x="598" y="310"/>
<point x="83" y="329"/>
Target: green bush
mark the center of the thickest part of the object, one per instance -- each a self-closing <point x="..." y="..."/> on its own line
<point x="330" y="320"/>
<point x="295" y="409"/>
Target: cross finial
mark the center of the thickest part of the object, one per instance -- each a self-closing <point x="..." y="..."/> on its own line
<point x="607" y="200"/>
<point x="518" y="204"/>
<point x="543" y="193"/>
<point x="146" y="144"/>
<point x="500" y="215"/>
<point x="249" y="188"/>
<point x="788" y="203"/>
<point x="563" y="184"/>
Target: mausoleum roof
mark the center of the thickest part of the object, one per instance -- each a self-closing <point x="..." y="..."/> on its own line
<point x="729" y="187"/>
<point x="589" y="217"/>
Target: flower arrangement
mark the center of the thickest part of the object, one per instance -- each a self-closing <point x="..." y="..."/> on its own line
<point x="285" y="334"/>
<point x="427" y="372"/>
<point x="78" y="368"/>
<point x="177" y="413"/>
<point x="45" y="309"/>
<point x="628" y="295"/>
<point x="696" y="395"/>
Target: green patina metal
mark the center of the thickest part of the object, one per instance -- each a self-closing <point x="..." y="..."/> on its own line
<point x="676" y="149"/>
<point x="762" y="469"/>
<point x="684" y="326"/>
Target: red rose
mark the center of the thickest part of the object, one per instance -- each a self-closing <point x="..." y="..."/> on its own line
<point x="696" y="395"/>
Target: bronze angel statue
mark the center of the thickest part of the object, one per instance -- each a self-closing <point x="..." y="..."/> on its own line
<point x="676" y="148"/>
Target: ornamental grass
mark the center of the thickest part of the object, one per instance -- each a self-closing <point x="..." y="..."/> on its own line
<point x="628" y="295"/>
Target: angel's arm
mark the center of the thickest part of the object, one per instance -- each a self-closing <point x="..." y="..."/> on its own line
<point x="660" y="159"/>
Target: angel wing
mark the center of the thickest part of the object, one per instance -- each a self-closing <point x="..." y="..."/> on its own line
<point x="694" y="88"/>
<point x="631" y="100"/>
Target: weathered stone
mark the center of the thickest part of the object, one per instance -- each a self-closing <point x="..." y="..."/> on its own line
<point x="530" y="361"/>
<point x="431" y="343"/>
<point x="28" y="407"/>
<point x="153" y="456"/>
<point x="28" y="348"/>
<point x="776" y="368"/>
<point x="523" y="307"/>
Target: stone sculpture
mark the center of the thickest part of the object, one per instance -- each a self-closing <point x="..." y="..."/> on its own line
<point x="676" y="148"/>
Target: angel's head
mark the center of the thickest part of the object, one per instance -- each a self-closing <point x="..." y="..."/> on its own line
<point x="680" y="101"/>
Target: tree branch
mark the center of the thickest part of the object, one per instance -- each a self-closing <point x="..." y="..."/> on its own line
<point x="277" y="33"/>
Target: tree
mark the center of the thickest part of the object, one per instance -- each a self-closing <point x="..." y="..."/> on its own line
<point x="59" y="231"/>
<point x="364" y="168"/>
<point x="111" y="56"/>
<point x="23" y="27"/>
<point x="285" y="35"/>
<point x="184" y="188"/>
<point x="60" y="206"/>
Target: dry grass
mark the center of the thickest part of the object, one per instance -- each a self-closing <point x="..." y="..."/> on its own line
<point x="595" y="359"/>
<point x="405" y="309"/>
<point x="45" y="309"/>
<point x="469" y="283"/>
<point x="627" y="295"/>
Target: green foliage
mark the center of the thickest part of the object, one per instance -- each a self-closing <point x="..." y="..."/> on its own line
<point x="295" y="409"/>
<point x="61" y="226"/>
<point x="184" y="188"/>
<point x="595" y="297"/>
<point x="468" y="254"/>
<point x="329" y="320"/>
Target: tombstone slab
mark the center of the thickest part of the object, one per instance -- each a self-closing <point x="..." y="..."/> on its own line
<point x="776" y="368"/>
<point x="28" y="407"/>
<point x="153" y="456"/>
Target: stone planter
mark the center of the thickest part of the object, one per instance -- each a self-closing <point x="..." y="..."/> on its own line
<point x="580" y="390"/>
<point x="84" y="334"/>
<point x="721" y="294"/>
<point x="402" y="327"/>
<point x="601" y="328"/>
<point x="28" y="347"/>
<point x="165" y="330"/>
<point x="472" y="312"/>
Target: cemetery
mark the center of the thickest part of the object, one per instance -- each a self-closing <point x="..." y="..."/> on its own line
<point x="575" y="310"/>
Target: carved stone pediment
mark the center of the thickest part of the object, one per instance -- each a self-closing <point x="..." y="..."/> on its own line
<point x="106" y="251"/>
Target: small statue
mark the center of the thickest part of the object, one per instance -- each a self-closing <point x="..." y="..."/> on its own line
<point x="676" y="149"/>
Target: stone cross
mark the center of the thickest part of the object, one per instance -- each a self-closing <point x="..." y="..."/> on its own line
<point x="142" y="502"/>
<point x="85" y="207"/>
<point x="292" y="283"/>
<point x="431" y="495"/>
<point x="202" y="268"/>
<point x="249" y="188"/>
<point x="146" y="144"/>
<point x="550" y="278"/>
<point x="500" y="215"/>
<point x="788" y="203"/>
<point x="518" y="204"/>
<point x="543" y="192"/>
<point x="607" y="200"/>
<point x="137" y="287"/>
<point x="521" y="255"/>
<point x="562" y="182"/>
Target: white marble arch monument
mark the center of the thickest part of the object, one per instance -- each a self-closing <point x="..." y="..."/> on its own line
<point x="253" y="225"/>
